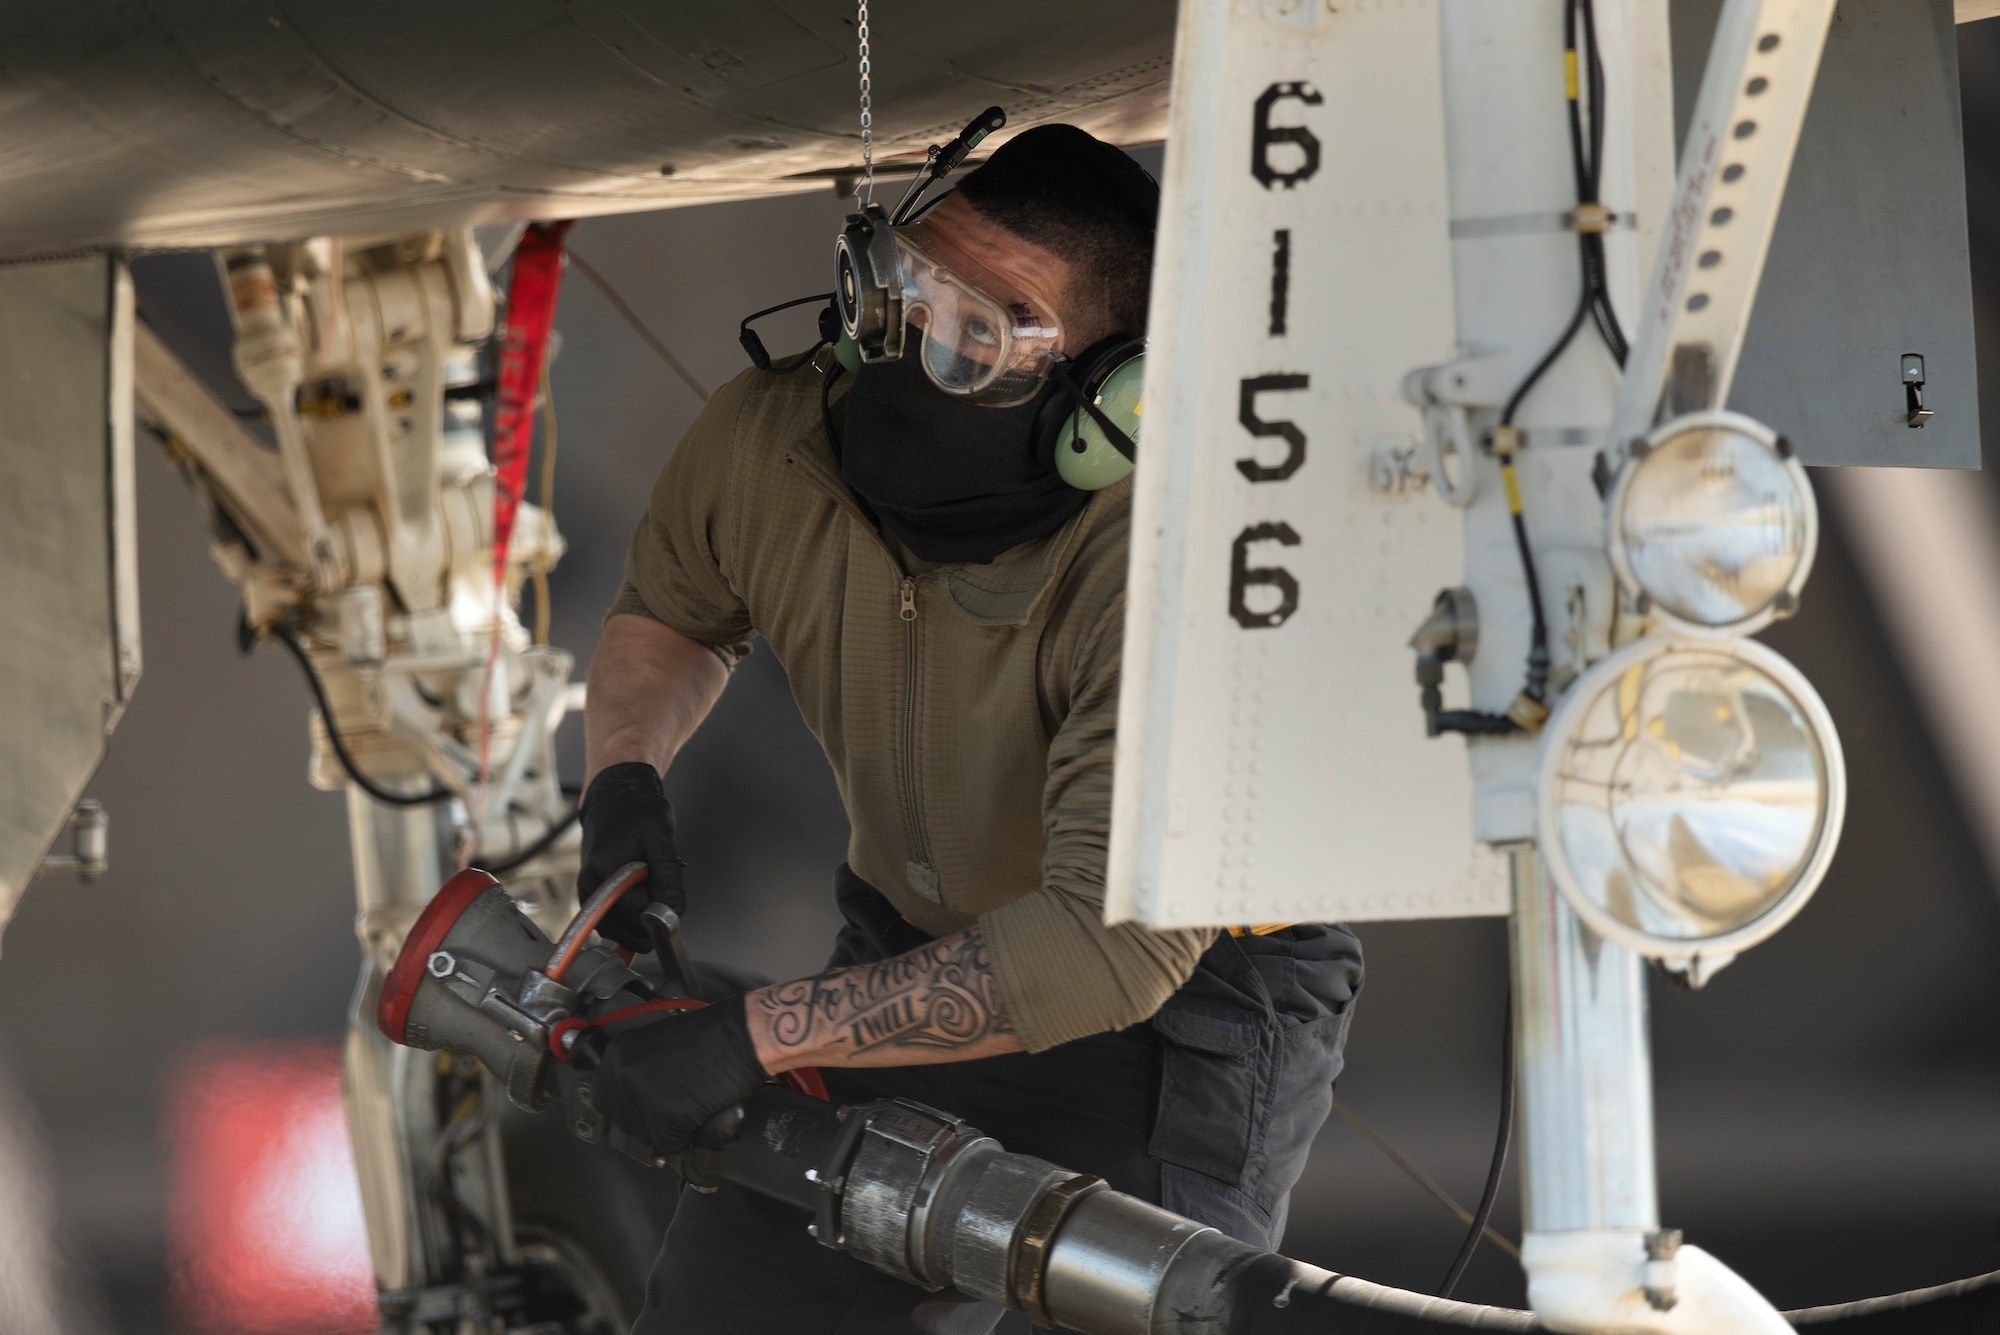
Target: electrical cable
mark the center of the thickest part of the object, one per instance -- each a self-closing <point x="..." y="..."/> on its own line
<point x="438" y="793"/>
<point x="539" y="847"/>
<point x="638" y="325"/>
<point x="1421" y="1178"/>
<point x="754" y="346"/>
<point x="1502" y="1138"/>
<point x="1586" y="163"/>
<point x="1589" y="219"/>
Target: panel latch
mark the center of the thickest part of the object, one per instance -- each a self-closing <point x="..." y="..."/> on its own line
<point x="1913" y="390"/>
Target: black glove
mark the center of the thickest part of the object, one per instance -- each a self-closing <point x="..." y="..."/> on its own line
<point x="660" y="1080"/>
<point x="626" y="819"/>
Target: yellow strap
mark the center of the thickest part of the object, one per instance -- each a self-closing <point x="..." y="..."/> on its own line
<point x="1513" y="488"/>
<point x="1261" y="928"/>
<point x="1569" y="72"/>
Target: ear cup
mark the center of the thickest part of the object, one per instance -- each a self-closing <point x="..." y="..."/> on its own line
<point x="1085" y="456"/>
<point x="1112" y="374"/>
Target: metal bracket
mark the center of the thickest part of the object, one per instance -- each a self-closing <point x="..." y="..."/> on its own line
<point x="89" y="838"/>
<point x="1662" y="1287"/>
<point x="1445" y="392"/>
<point x="1738" y="155"/>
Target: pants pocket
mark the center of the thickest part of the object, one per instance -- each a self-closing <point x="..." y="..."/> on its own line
<point x="1214" y="1088"/>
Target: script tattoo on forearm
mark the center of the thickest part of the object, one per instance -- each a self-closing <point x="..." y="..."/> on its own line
<point x="935" y="999"/>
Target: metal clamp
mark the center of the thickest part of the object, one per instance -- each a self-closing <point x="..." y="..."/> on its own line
<point x="1029" y="1262"/>
<point x="831" y="1178"/>
<point x="1661" y="1285"/>
<point x="878" y="1180"/>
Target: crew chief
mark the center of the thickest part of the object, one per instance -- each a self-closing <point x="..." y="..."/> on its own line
<point x="949" y="611"/>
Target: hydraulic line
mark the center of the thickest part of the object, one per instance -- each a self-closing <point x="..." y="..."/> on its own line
<point x="1502" y="1138"/>
<point x="438" y="792"/>
<point x="1212" y="1284"/>
<point x="1583" y="73"/>
<point x="1421" y="1178"/>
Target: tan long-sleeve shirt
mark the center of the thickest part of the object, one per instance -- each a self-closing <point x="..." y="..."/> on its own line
<point x="968" y="710"/>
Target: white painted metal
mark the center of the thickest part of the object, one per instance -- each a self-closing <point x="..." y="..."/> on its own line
<point x="70" y="660"/>
<point x="173" y="403"/>
<point x="1515" y="290"/>
<point x="1734" y="164"/>
<point x="1589" y="1198"/>
<point x="401" y="856"/>
<point x="1586" y="1081"/>
<point x="1271" y="757"/>
<point x="372" y="536"/>
<point x="1589" y="1194"/>
<point x="1597" y="1281"/>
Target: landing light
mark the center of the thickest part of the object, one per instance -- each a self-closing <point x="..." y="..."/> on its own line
<point x="1691" y="795"/>
<point x="1714" y="521"/>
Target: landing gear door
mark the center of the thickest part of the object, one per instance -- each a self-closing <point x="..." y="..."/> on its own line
<point x="1287" y="530"/>
<point x="69" y="606"/>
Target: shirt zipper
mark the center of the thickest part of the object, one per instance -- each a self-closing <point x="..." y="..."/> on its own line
<point x="919" y="844"/>
<point x="920" y="847"/>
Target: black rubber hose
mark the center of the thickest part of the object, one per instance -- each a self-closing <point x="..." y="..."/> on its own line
<point x="438" y="793"/>
<point x="1502" y="1138"/>
<point x="1963" y="1307"/>
<point x="778" y="1134"/>
<point x="1355" y="1307"/>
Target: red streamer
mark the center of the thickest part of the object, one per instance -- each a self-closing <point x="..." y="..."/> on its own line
<point x="531" y="313"/>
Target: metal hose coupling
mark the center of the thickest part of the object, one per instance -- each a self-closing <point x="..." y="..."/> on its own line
<point x="923" y="1196"/>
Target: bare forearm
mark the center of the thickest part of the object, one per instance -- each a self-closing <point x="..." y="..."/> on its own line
<point x="650" y="686"/>
<point x="935" y="1004"/>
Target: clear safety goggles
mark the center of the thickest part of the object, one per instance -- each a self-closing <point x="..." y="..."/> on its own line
<point x="982" y="340"/>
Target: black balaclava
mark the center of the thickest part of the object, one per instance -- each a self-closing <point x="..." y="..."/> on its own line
<point x="953" y="480"/>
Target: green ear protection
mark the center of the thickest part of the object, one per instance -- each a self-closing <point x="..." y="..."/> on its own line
<point x="1108" y="378"/>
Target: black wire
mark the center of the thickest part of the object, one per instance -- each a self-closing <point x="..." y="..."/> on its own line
<point x="800" y="360"/>
<point x="1501" y="1140"/>
<point x="1596" y="272"/>
<point x="1586" y="145"/>
<point x="744" y="323"/>
<point x="438" y="794"/>
<point x="540" y="846"/>
<point x="367" y="785"/>
<point x="1548" y="360"/>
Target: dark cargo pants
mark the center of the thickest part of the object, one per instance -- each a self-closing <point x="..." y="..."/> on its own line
<point x="1208" y="1110"/>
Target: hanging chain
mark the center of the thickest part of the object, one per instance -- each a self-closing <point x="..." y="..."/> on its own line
<point x="864" y="189"/>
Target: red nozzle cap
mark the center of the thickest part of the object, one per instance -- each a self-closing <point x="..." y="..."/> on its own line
<point x="434" y="924"/>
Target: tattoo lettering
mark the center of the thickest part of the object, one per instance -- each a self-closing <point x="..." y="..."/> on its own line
<point x="939" y="998"/>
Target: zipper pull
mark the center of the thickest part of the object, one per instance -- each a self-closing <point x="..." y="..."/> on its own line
<point x="909" y="608"/>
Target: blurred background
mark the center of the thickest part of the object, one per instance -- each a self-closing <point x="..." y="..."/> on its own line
<point x="1829" y="1107"/>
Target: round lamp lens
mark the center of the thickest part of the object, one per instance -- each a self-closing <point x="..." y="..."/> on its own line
<point x="1691" y="795"/>
<point x="1714" y="524"/>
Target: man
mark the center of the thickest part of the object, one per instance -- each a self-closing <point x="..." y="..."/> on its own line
<point x="949" y="612"/>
